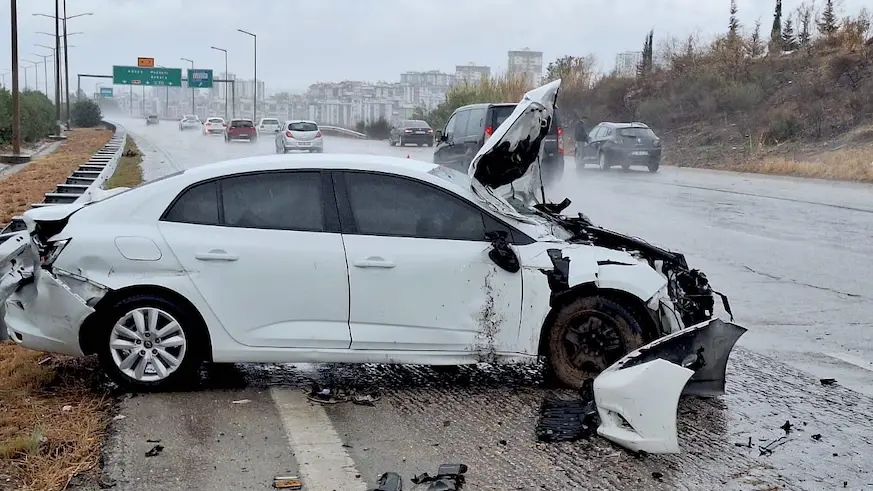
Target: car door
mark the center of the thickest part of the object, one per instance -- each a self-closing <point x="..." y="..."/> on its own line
<point x="441" y="152"/>
<point x="474" y="133"/>
<point x="592" y="146"/>
<point x="419" y="273"/>
<point x="265" y="252"/>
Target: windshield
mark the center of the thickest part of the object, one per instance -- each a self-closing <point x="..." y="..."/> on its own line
<point x="190" y="117"/>
<point x="499" y="114"/>
<point x="303" y="126"/>
<point x="415" y="124"/>
<point x="241" y="123"/>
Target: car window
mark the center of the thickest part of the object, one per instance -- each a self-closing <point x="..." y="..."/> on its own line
<point x="215" y="120"/>
<point x="270" y="121"/>
<point x="242" y="123"/>
<point x="302" y="126"/>
<point x="393" y="206"/>
<point x="499" y="115"/>
<point x="476" y="123"/>
<point x="599" y="132"/>
<point x="450" y="126"/>
<point x="198" y="205"/>
<point x="636" y="133"/>
<point x="461" y="124"/>
<point x="274" y="200"/>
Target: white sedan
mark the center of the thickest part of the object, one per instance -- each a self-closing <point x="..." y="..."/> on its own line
<point x="366" y="259"/>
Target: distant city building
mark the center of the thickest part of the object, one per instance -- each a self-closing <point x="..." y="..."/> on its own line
<point x="471" y="73"/>
<point x="528" y="63"/>
<point x="626" y="63"/>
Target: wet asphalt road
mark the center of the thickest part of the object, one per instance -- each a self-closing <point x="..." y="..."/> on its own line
<point x="791" y="254"/>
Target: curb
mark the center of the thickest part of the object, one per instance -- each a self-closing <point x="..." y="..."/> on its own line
<point x="79" y="187"/>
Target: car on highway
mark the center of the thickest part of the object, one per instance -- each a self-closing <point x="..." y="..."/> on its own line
<point x="269" y="125"/>
<point x="214" y="126"/>
<point x="623" y="144"/>
<point x="152" y="119"/>
<point x="411" y="131"/>
<point x="241" y="129"/>
<point x="299" y="135"/>
<point x="369" y="259"/>
<point x="189" y="121"/>
<point x="469" y="127"/>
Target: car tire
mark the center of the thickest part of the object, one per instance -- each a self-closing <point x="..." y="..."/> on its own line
<point x="603" y="161"/>
<point x="625" y="166"/>
<point x="594" y="320"/>
<point x="654" y="166"/>
<point x="186" y="345"/>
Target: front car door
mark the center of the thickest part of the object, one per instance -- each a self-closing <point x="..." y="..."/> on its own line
<point x="443" y="147"/>
<point x="419" y="271"/>
<point x="265" y="252"/>
<point x="475" y="131"/>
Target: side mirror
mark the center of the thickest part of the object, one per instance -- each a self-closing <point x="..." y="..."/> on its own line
<point x="438" y="134"/>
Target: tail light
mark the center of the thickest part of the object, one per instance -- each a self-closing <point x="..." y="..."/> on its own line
<point x="407" y="131"/>
<point x="657" y="142"/>
<point x="489" y="131"/>
<point x="560" y="131"/>
<point x="288" y="134"/>
<point x="318" y="135"/>
<point x="429" y="132"/>
<point x="50" y="252"/>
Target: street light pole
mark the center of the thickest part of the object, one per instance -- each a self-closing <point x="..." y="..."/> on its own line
<point x="57" y="35"/>
<point x="57" y="68"/>
<point x="16" y="157"/>
<point x="167" y="99"/>
<point x="35" y="73"/>
<point x="193" y="112"/>
<point x="255" y="105"/>
<point x="45" y="71"/>
<point x="66" y="66"/>
<point x="225" y="77"/>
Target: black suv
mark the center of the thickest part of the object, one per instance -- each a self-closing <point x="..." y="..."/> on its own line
<point x="623" y="144"/>
<point x="469" y="127"/>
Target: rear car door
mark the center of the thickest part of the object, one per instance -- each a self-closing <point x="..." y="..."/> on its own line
<point x="419" y="273"/>
<point x="265" y="252"/>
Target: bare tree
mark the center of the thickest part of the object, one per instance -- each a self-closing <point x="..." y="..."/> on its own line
<point x="755" y="45"/>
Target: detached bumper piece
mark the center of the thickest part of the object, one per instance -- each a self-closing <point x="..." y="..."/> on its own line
<point x="637" y="398"/>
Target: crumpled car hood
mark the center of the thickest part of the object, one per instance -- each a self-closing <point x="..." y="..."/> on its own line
<point x="507" y="165"/>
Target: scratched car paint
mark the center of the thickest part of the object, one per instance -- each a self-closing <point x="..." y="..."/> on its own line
<point x="153" y="297"/>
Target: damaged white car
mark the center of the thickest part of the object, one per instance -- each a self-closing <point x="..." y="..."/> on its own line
<point x="361" y="259"/>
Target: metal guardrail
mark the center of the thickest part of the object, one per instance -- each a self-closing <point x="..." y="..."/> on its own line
<point x="342" y="131"/>
<point x="79" y="187"/>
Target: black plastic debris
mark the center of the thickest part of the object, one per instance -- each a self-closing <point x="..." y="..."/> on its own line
<point x="828" y="381"/>
<point x="450" y="477"/>
<point x="568" y="419"/>
<point x="816" y="437"/>
<point x="657" y="475"/>
<point x="786" y="427"/>
<point x="327" y="395"/>
<point x="389" y="481"/>
<point x="155" y="451"/>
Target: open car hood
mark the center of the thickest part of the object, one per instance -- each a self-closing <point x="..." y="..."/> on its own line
<point x="507" y="165"/>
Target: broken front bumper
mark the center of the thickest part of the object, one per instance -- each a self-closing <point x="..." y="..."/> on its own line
<point x="41" y="312"/>
<point x="637" y="398"/>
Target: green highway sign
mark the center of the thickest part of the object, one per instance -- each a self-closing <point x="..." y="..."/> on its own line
<point x="200" y="78"/>
<point x="133" y="75"/>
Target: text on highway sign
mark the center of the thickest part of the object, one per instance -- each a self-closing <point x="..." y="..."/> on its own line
<point x="132" y="75"/>
<point x="200" y="78"/>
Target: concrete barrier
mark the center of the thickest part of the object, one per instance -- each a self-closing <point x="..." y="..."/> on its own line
<point x="78" y="188"/>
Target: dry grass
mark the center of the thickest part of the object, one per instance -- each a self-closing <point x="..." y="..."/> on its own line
<point x="41" y="445"/>
<point x="28" y="186"/>
<point x="128" y="173"/>
<point x="851" y="164"/>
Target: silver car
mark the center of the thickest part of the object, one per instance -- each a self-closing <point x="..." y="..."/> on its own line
<point x="299" y="135"/>
<point x="189" y="121"/>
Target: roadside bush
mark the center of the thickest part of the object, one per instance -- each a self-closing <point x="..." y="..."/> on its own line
<point x="783" y="128"/>
<point x="85" y="113"/>
<point x="37" y="116"/>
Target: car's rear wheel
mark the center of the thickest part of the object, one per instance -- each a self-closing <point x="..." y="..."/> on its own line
<point x="603" y="161"/>
<point x="147" y="342"/>
<point x="587" y="336"/>
<point x="654" y="166"/>
<point x="625" y="165"/>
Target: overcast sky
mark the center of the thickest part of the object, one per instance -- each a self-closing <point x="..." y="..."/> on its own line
<point x="306" y="41"/>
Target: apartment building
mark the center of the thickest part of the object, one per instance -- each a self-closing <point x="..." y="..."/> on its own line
<point x="528" y="63"/>
<point x="471" y="73"/>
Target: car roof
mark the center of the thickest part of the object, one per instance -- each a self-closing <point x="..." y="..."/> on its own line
<point x="487" y="104"/>
<point x="240" y="119"/>
<point x="269" y="119"/>
<point x="300" y="121"/>
<point x="635" y="124"/>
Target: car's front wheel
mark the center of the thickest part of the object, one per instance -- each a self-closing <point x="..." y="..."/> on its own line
<point x="587" y="336"/>
<point x="150" y="343"/>
<point x="603" y="161"/>
<point x="654" y="166"/>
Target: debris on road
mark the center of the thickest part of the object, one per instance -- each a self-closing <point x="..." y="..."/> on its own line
<point x="67" y="408"/>
<point x="287" y="482"/>
<point x="326" y="395"/>
<point x="389" y="481"/>
<point x="786" y="427"/>
<point x="242" y="401"/>
<point x="450" y="477"/>
<point x="155" y="451"/>
<point x="828" y="381"/>
<point x="568" y="420"/>
<point x="816" y="437"/>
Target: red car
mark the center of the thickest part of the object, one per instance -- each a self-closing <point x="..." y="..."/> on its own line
<point x="241" y="129"/>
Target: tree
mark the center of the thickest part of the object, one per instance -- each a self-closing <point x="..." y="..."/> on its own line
<point x="85" y="113"/>
<point x="648" y="55"/>
<point x="756" y="45"/>
<point x="734" y="24"/>
<point x="571" y="70"/>
<point x="776" y="30"/>
<point x="828" y="23"/>
<point x="804" y="15"/>
<point x="789" y="40"/>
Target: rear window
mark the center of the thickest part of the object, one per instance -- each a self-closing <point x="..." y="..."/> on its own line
<point x="415" y="124"/>
<point x="636" y="132"/>
<point x="270" y="121"/>
<point x="242" y="124"/>
<point x="214" y="120"/>
<point x="190" y="117"/>
<point x="499" y="115"/>
<point x="302" y="126"/>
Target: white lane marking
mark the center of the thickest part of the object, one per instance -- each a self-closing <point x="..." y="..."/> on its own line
<point x="323" y="461"/>
<point x="852" y="360"/>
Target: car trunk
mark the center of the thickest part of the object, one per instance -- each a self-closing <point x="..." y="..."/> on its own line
<point x="239" y="129"/>
<point x="302" y="131"/>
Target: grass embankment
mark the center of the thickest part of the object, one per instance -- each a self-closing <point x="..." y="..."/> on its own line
<point x="53" y="415"/>
<point x="855" y="164"/>
<point x="128" y="173"/>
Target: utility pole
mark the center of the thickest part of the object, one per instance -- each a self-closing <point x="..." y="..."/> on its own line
<point x="192" y="87"/>
<point x="66" y="66"/>
<point x="16" y="157"/>
<point x="57" y="68"/>
<point x="45" y="71"/>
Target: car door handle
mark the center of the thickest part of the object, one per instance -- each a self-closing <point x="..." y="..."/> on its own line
<point x="374" y="262"/>
<point x="215" y="255"/>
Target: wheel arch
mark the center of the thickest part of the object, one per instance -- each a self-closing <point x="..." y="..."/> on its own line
<point x="87" y="334"/>
<point x="636" y="306"/>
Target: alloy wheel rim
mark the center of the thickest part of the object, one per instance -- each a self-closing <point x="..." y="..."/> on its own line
<point x="592" y="342"/>
<point x="147" y="344"/>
